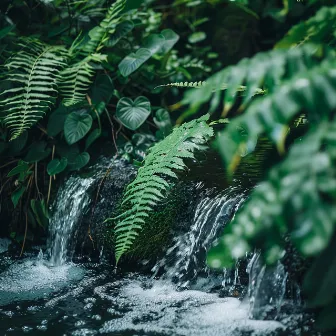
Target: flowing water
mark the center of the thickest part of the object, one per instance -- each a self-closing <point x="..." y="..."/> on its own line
<point x="47" y="294"/>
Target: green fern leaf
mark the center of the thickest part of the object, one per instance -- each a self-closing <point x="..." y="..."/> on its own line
<point x="99" y="35"/>
<point x="321" y="28"/>
<point x="75" y="80"/>
<point x="297" y="199"/>
<point x="313" y="91"/>
<point x="265" y="70"/>
<point x="149" y="186"/>
<point x="33" y="73"/>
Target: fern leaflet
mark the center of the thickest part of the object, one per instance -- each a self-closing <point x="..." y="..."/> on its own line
<point x="33" y="73"/>
<point x="150" y="186"/>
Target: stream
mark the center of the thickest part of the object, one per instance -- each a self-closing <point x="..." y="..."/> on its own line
<point x="51" y="291"/>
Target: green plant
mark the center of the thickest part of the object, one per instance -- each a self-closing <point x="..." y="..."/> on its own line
<point x="297" y="198"/>
<point x="150" y="185"/>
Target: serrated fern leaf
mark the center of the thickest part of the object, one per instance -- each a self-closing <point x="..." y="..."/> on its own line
<point x="149" y="187"/>
<point x="312" y="91"/>
<point x="265" y="70"/>
<point x="297" y="199"/>
<point x="75" y="80"/>
<point x="321" y="28"/>
<point x="100" y="34"/>
<point x="33" y="73"/>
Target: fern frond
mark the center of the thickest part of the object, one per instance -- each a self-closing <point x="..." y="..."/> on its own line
<point x="184" y="84"/>
<point x="100" y="34"/>
<point x="150" y="186"/>
<point x="75" y="80"/>
<point x="312" y="91"/>
<point x="321" y="28"/>
<point x="297" y="198"/>
<point x="33" y="73"/>
<point x="265" y="70"/>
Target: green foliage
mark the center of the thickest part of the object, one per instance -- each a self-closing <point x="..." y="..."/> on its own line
<point x="265" y="70"/>
<point x="76" y="79"/>
<point x="33" y="73"/>
<point x="150" y="186"/>
<point x="320" y="28"/>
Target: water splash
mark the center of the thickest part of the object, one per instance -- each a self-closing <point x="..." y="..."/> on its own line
<point x="185" y="259"/>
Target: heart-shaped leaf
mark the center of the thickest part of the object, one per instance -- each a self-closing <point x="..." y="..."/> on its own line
<point x="76" y="126"/>
<point x="37" y="152"/>
<point x="133" y="114"/>
<point x="170" y="39"/>
<point x="80" y="161"/>
<point x="57" y="166"/>
<point x="121" y="30"/>
<point x="133" y="61"/>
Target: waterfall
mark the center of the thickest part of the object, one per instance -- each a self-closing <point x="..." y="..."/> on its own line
<point x="72" y="201"/>
<point x="185" y="259"/>
<point x="266" y="289"/>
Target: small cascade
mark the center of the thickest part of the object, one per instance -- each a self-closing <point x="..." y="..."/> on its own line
<point x="185" y="259"/>
<point x="266" y="290"/>
<point x="72" y="201"/>
<point x="73" y="206"/>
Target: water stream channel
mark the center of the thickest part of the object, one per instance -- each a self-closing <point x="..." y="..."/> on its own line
<point x="51" y="291"/>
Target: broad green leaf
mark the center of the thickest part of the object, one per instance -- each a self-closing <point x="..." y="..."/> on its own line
<point x="37" y="152"/>
<point x="102" y="90"/>
<point x="80" y="161"/>
<point x="56" y="120"/>
<point x="56" y="166"/>
<point x="154" y="43"/>
<point x="40" y="211"/>
<point x="21" y="169"/>
<point x="121" y="30"/>
<point x="17" y="195"/>
<point x="133" y="61"/>
<point x="133" y="114"/>
<point x="76" y="126"/>
<point x="92" y="137"/>
<point x="170" y="40"/>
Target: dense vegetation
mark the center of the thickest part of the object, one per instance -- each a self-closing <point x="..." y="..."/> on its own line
<point x="85" y="78"/>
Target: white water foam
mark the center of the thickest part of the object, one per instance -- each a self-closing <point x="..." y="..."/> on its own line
<point x="164" y="310"/>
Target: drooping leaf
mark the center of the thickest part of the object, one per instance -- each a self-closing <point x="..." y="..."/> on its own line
<point x="80" y="161"/>
<point x="40" y="211"/>
<point x="17" y="194"/>
<point x="56" y="166"/>
<point x="133" y="114"/>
